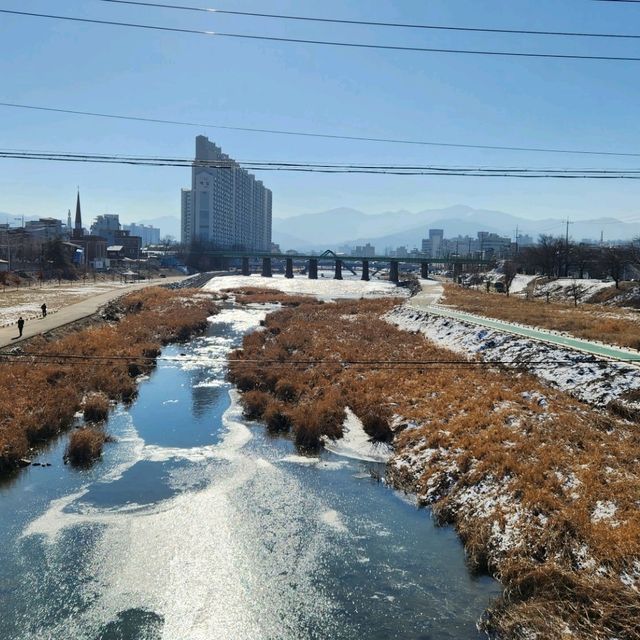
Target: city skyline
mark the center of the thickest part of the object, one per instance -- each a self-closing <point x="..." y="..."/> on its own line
<point x="433" y="97"/>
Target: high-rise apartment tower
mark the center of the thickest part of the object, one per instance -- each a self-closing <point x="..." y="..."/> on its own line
<point x="226" y="206"/>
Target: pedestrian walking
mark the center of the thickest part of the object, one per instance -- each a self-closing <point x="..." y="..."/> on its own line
<point x="44" y="309"/>
<point x="20" y="326"/>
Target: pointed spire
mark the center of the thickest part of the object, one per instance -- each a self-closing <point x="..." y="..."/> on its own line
<point x="77" y="229"/>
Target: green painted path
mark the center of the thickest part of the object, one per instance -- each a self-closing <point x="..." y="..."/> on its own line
<point x="550" y="337"/>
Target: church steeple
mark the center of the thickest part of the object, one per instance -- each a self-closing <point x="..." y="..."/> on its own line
<point x="77" y="230"/>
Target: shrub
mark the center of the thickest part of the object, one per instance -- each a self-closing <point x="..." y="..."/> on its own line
<point x="287" y="391"/>
<point x="85" y="446"/>
<point x="306" y="428"/>
<point x="96" y="407"/>
<point x="317" y="419"/>
<point x="276" y="417"/>
<point x="376" y="421"/>
<point x="255" y="404"/>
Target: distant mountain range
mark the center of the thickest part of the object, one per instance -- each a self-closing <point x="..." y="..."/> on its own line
<point x="344" y="226"/>
<point x="337" y="227"/>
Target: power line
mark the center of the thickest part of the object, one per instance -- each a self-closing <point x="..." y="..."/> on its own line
<point x="52" y="358"/>
<point x="397" y="169"/>
<point x="370" y="23"/>
<point x="329" y="136"/>
<point x="329" y="43"/>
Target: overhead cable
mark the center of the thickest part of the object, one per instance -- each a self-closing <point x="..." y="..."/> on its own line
<point x="53" y="358"/>
<point x="308" y="134"/>
<point x="329" y="43"/>
<point x="370" y="23"/>
<point x="390" y="169"/>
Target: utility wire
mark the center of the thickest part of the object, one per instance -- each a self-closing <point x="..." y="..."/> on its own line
<point x="329" y="43"/>
<point x="402" y="170"/>
<point x="370" y="23"/>
<point x="309" y="134"/>
<point x="52" y="358"/>
<point x="259" y="163"/>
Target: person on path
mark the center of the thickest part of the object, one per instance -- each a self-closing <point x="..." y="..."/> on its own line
<point x="44" y="309"/>
<point x="20" y="326"/>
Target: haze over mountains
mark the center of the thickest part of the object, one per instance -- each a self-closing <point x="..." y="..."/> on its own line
<point x="330" y="229"/>
<point x="337" y="227"/>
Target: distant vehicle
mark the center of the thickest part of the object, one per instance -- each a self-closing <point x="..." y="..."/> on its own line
<point x="499" y="287"/>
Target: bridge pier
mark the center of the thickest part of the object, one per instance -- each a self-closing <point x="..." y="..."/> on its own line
<point x="313" y="268"/>
<point x="266" y="267"/>
<point x="424" y="270"/>
<point x="288" y="271"/>
<point x="338" y="272"/>
<point x="394" y="271"/>
<point x="365" y="270"/>
<point x="246" y="271"/>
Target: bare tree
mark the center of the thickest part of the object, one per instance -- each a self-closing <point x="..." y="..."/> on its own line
<point x="614" y="261"/>
<point x="582" y="256"/>
<point x="576" y="291"/>
<point x="509" y="270"/>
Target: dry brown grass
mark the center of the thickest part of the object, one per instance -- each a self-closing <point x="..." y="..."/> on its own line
<point x="591" y="322"/>
<point x="42" y="392"/>
<point x="247" y="295"/>
<point x="85" y="446"/>
<point x="96" y="407"/>
<point x="517" y="468"/>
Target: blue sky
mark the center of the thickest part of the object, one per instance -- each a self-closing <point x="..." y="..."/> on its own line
<point x="452" y="98"/>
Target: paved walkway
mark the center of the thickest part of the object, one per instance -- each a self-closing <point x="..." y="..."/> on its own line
<point x="431" y="291"/>
<point x="71" y="313"/>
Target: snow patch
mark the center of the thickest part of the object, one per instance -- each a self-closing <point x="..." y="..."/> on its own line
<point x="323" y="289"/>
<point x="355" y="442"/>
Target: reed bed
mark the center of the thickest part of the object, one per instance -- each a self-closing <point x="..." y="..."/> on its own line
<point x="259" y="295"/>
<point x="44" y="387"/>
<point x="592" y="322"/>
<point x="85" y="445"/>
<point x="542" y="490"/>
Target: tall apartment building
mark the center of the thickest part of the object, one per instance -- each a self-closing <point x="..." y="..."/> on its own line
<point x="148" y="233"/>
<point x="433" y="246"/>
<point x="226" y="206"/>
<point x="106" y="226"/>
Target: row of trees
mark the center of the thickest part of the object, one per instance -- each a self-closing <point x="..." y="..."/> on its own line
<point x="555" y="258"/>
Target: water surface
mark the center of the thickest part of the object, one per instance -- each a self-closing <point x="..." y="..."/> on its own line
<point x="198" y="525"/>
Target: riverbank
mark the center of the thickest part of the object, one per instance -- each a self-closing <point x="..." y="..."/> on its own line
<point x="82" y="302"/>
<point x="618" y="327"/>
<point x="47" y="380"/>
<point x="198" y="524"/>
<point x="540" y="487"/>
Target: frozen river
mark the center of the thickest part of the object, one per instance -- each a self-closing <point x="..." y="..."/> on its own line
<point x="198" y="525"/>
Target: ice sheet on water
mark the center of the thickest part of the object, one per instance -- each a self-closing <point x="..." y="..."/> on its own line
<point x="200" y="544"/>
<point x="323" y="288"/>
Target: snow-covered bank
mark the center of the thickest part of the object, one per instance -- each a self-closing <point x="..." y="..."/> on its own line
<point x="597" y="382"/>
<point x="356" y="443"/>
<point x="323" y="289"/>
<point x="562" y="288"/>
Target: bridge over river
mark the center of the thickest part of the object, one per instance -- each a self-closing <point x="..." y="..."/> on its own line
<point x="311" y="262"/>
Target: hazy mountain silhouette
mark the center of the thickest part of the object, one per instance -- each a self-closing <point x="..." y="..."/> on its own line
<point x="330" y="229"/>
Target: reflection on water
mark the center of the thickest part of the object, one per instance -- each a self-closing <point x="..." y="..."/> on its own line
<point x="198" y="525"/>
